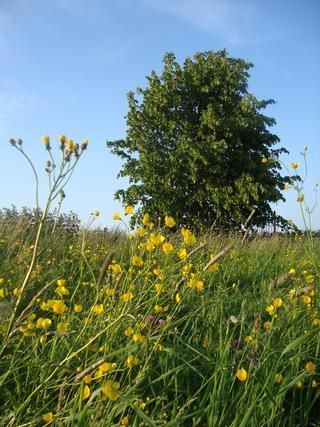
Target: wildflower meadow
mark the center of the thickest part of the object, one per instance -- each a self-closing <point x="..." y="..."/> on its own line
<point x="157" y="325"/>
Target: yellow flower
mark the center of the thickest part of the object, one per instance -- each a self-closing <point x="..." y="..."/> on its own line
<point x="62" y="327"/>
<point x="62" y="138"/>
<point x="156" y="238"/>
<point x="116" y="268"/>
<point x="177" y="298"/>
<point x="127" y="296"/>
<point x="314" y="384"/>
<point x="278" y="302"/>
<point x="61" y="282"/>
<point x="97" y="309"/>
<point x="182" y="253"/>
<point x="141" y="231"/>
<point x="129" y="331"/>
<point x="128" y="210"/>
<point x="87" y="379"/>
<point x="86" y="392"/>
<point x="110" y="389"/>
<point x="294" y="165"/>
<point x="188" y="237"/>
<point x="43" y="323"/>
<point x="110" y="292"/>
<point x="136" y="260"/>
<point x="279" y="378"/>
<point x="59" y="307"/>
<point x="167" y="248"/>
<point x="306" y="299"/>
<point x="70" y="144"/>
<point x="300" y="198"/>
<point x="264" y="160"/>
<point x="158" y="287"/>
<point x="48" y="417"/>
<point x="96" y="213"/>
<point x="77" y="308"/>
<point x="146" y="219"/>
<point x="116" y="216"/>
<point x="242" y="374"/>
<point x="311" y="368"/>
<point x="299" y="385"/>
<point x="169" y="221"/>
<point x="62" y="290"/>
<point x="270" y="309"/>
<point x="132" y="361"/>
<point x="286" y="187"/>
<point x="138" y="338"/>
<point x="46" y="140"/>
<point x="124" y="421"/>
<point x="292" y="271"/>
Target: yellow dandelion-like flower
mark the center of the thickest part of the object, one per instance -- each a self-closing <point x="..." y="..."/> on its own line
<point x="110" y="292"/>
<point x="132" y="361"/>
<point x="138" y="338"/>
<point x="61" y="282"/>
<point x="279" y="378"/>
<point x="242" y="374"/>
<point x="294" y="165"/>
<point x="306" y="299"/>
<point x="124" y="421"/>
<point x="87" y="379"/>
<point x="311" y="368"/>
<point x="110" y="389"/>
<point x="299" y="385"/>
<point x="127" y="297"/>
<point x="97" y="309"/>
<point x="264" y="160"/>
<point x="182" y="253"/>
<point x="270" y="309"/>
<point x="48" y="417"/>
<point x="146" y="219"/>
<point x="77" y="308"/>
<point x="167" y="248"/>
<point x="59" y="307"/>
<point x="177" y="298"/>
<point x="117" y="216"/>
<point x="128" y="210"/>
<point x="277" y="302"/>
<point x="169" y="221"/>
<point x="129" y="331"/>
<point x="86" y="392"/>
<point x="156" y="238"/>
<point x="136" y="260"/>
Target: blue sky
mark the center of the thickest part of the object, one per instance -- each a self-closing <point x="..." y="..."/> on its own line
<point x="67" y="65"/>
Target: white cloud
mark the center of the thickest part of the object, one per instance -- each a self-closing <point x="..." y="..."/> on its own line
<point x="233" y="21"/>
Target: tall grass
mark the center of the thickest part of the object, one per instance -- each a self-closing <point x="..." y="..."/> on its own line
<point x="118" y="329"/>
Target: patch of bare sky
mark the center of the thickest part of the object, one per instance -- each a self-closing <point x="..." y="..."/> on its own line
<point x="235" y="22"/>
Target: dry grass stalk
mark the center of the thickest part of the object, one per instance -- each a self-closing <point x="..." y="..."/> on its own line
<point x="88" y="370"/>
<point x="218" y="256"/>
<point x="246" y="227"/>
<point x="104" y="268"/>
<point x="302" y="291"/>
<point x="279" y="281"/>
<point x="197" y="249"/>
<point x="178" y="287"/>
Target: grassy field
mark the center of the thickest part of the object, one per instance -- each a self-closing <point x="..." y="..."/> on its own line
<point x="155" y="329"/>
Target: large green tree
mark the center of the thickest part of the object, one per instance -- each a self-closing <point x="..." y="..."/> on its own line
<point x="198" y="147"/>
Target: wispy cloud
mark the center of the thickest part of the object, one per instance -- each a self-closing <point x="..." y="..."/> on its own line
<point x="235" y="22"/>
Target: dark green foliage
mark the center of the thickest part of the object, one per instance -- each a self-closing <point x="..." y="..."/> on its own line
<point x="195" y="142"/>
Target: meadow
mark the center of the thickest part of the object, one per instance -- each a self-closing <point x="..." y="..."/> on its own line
<point x="156" y="327"/>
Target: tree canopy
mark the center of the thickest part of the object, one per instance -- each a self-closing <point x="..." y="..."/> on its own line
<point x="198" y="147"/>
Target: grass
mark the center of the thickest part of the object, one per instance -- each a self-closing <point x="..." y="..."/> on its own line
<point x="127" y="347"/>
